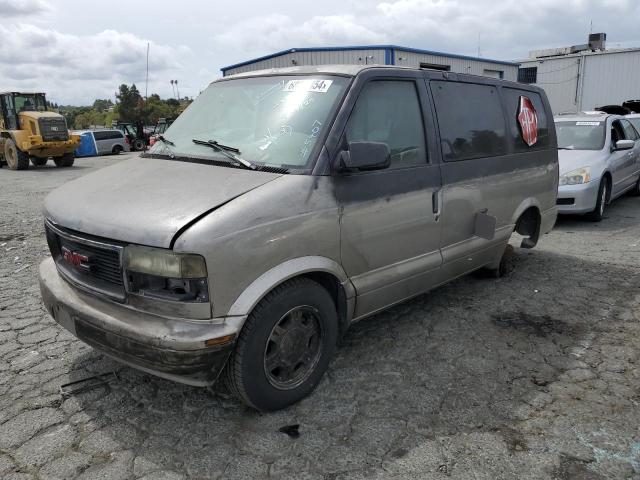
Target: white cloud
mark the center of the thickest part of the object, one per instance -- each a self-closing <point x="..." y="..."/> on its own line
<point x="507" y="29"/>
<point x="72" y="67"/>
<point x="15" y="8"/>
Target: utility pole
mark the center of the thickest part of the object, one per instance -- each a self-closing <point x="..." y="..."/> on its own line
<point x="146" y="88"/>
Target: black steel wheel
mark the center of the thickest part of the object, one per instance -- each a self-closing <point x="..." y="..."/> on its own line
<point x="284" y="347"/>
<point x="293" y="348"/>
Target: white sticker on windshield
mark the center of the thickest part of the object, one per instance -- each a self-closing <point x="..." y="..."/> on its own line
<point x="587" y="124"/>
<point x="307" y="85"/>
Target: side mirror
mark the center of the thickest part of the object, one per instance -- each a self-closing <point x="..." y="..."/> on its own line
<point x="363" y="156"/>
<point x="624" y="144"/>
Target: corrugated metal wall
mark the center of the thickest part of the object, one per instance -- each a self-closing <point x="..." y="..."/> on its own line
<point x="586" y="81"/>
<point x="458" y="65"/>
<point x="610" y="79"/>
<point x="361" y="57"/>
<point x="332" y="57"/>
<point x="559" y="79"/>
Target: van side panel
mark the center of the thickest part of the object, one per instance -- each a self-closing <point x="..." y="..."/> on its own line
<point x="496" y="184"/>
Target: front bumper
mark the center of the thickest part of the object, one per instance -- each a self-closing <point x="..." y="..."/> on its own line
<point x="171" y="348"/>
<point x="36" y="147"/>
<point x="578" y="198"/>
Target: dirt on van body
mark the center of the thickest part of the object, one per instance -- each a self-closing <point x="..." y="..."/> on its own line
<point x="534" y="375"/>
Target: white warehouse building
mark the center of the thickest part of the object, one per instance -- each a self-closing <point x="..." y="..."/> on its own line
<point x="584" y="77"/>
<point x="381" y="55"/>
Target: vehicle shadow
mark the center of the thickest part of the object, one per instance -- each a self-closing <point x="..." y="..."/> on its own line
<point x="474" y="361"/>
<point x="621" y="213"/>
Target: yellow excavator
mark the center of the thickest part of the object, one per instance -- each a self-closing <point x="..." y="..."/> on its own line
<point x="29" y="132"/>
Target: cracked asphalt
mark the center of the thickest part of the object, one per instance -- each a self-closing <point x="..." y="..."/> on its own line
<point x="531" y="376"/>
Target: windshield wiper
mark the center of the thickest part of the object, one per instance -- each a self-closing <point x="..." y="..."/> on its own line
<point x="165" y="140"/>
<point x="229" y="152"/>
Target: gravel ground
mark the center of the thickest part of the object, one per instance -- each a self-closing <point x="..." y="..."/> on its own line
<point x="534" y="375"/>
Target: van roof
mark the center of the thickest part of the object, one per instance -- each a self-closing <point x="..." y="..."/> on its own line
<point x="349" y="70"/>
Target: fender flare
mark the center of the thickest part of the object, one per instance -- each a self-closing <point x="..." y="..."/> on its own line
<point x="270" y="279"/>
<point x="526" y="203"/>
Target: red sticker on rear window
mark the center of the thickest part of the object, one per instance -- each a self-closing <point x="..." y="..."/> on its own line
<point x="528" y="121"/>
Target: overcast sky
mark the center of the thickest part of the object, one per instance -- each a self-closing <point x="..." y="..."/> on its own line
<point x="77" y="51"/>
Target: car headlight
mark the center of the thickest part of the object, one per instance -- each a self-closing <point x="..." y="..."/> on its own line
<point x="576" y="177"/>
<point x="166" y="275"/>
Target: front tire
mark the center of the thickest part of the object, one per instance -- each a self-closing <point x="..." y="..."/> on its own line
<point x="284" y="347"/>
<point x="598" y="213"/>
<point x="116" y="150"/>
<point x="16" y="160"/>
<point x="138" y="144"/>
<point x="64" y="161"/>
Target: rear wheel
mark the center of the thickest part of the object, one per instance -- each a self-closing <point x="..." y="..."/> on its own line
<point x="16" y="160"/>
<point x="64" y="161"/>
<point x="598" y="213"/>
<point x="284" y="347"/>
<point x="636" y="189"/>
<point x="38" y="162"/>
<point x="116" y="149"/>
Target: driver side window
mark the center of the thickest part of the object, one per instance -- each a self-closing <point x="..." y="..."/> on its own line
<point x="389" y="111"/>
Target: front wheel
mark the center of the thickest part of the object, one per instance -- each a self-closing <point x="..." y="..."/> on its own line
<point x="64" y="161"/>
<point x="284" y="347"/>
<point x="598" y="213"/>
<point x="16" y="160"/>
<point x="138" y="144"/>
<point x="116" y="150"/>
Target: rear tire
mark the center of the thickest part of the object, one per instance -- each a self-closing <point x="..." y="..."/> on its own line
<point x="636" y="189"/>
<point x="38" y="162"/>
<point x="116" y="150"/>
<point x="64" y="161"/>
<point x="598" y="213"/>
<point x="284" y="347"/>
<point x="16" y="160"/>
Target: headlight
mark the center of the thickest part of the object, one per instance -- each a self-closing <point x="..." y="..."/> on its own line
<point x="576" y="177"/>
<point x="166" y="275"/>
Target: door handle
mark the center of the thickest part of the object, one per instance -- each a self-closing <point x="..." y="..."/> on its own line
<point x="435" y="203"/>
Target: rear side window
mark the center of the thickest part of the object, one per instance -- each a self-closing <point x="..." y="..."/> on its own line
<point x="470" y="120"/>
<point x="115" y="135"/>
<point x="512" y="100"/>
<point x="629" y="131"/>
<point x="389" y="111"/>
<point x="100" y="135"/>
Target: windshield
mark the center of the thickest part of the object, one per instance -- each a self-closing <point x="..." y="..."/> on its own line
<point x="635" y="122"/>
<point x="29" y="102"/>
<point x="581" y="135"/>
<point x="273" y="121"/>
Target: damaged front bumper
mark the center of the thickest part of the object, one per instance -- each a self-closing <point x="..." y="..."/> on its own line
<point x="191" y="352"/>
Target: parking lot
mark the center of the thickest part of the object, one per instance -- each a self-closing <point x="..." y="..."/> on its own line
<point x="534" y="375"/>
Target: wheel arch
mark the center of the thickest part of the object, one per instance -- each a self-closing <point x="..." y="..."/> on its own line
<point x="607" y="174"/>
<point x="527" y="220"/>
<point x="322" y="270"/>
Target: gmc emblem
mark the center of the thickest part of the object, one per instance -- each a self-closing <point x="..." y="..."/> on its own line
<point x="75" y="258"/>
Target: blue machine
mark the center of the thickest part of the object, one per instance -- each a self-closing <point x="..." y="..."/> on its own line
<point x="87" y="147"/>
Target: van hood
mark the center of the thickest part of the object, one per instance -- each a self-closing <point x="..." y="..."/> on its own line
<point x="147" y="201"/>
<point x="569" y="160"/>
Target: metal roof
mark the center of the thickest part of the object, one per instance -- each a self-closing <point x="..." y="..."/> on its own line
<point x="366" y="47"/>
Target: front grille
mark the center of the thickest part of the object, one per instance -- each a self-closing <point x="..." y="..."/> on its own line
<point x="89" y="263"/>
<point x="565" y="201"/>
<point x="53" y="129"/>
